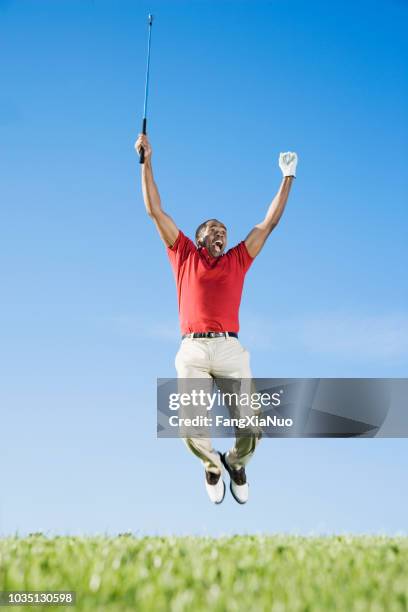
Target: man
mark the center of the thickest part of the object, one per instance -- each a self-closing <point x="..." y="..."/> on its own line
<point x="209" y="287"/>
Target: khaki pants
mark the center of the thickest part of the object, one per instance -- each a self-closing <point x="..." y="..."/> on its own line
<point x="218" y="358"/>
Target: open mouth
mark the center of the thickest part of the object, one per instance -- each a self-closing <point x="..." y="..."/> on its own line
<point x="218" y="245"/>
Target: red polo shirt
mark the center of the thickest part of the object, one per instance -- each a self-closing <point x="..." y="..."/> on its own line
<point x="209" y="289"/>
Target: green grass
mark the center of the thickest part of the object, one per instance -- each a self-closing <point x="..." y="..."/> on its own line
<point x="245" y="573"/>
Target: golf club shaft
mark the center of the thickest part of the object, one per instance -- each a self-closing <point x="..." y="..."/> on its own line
<point x="144" y="122"/>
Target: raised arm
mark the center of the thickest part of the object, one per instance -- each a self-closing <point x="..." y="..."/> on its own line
<point x="258" y="235"/>
<point x="166" y="227"/>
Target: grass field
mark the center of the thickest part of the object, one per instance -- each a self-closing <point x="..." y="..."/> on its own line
<point x="262" y="573"/>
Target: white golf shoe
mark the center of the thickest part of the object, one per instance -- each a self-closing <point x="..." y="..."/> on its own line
<point x="215" y="487"/>
<point x="238" y="485"/>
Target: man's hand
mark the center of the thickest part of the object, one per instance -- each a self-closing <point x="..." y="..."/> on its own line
<point x="143" y="141"/>
<point x="287" y="163"/>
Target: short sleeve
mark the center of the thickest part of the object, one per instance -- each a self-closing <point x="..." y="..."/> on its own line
<point x="180" y="250"/>
<point x="241" y="256"/>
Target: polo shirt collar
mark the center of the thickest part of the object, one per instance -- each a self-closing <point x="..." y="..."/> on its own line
<point x="207" y="256"/>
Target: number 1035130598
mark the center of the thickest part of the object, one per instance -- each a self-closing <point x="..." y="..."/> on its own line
<point x="37" y="598"/>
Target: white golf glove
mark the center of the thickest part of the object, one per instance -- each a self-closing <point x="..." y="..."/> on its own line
<point x="287" y="163"/>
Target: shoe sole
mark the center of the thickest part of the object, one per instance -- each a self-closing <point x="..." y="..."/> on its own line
<point x="235" y="497"/>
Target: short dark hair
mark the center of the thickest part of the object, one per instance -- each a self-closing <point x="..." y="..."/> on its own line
<point x="202" y="227"/>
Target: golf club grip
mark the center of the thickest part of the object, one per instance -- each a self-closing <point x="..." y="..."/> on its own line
<point x="141" y="155"/>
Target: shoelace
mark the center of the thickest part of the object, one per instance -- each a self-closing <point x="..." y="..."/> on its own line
<point x="239" y="476"/>
<point x="212" y="478"/>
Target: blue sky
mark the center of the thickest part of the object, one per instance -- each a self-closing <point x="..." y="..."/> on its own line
<point x="88" y="308"/>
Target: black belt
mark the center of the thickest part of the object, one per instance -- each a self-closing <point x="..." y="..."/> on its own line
<point x="210" y="335"/>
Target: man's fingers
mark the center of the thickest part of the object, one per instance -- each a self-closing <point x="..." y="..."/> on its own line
<point x="142" y="142"/>
<point x="287" y="157"/>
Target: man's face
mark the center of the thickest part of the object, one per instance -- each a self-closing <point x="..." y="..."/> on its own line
<point x="215" y="238"/>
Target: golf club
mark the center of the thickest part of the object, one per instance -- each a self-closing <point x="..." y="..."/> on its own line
<point x="144" y="122"/>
